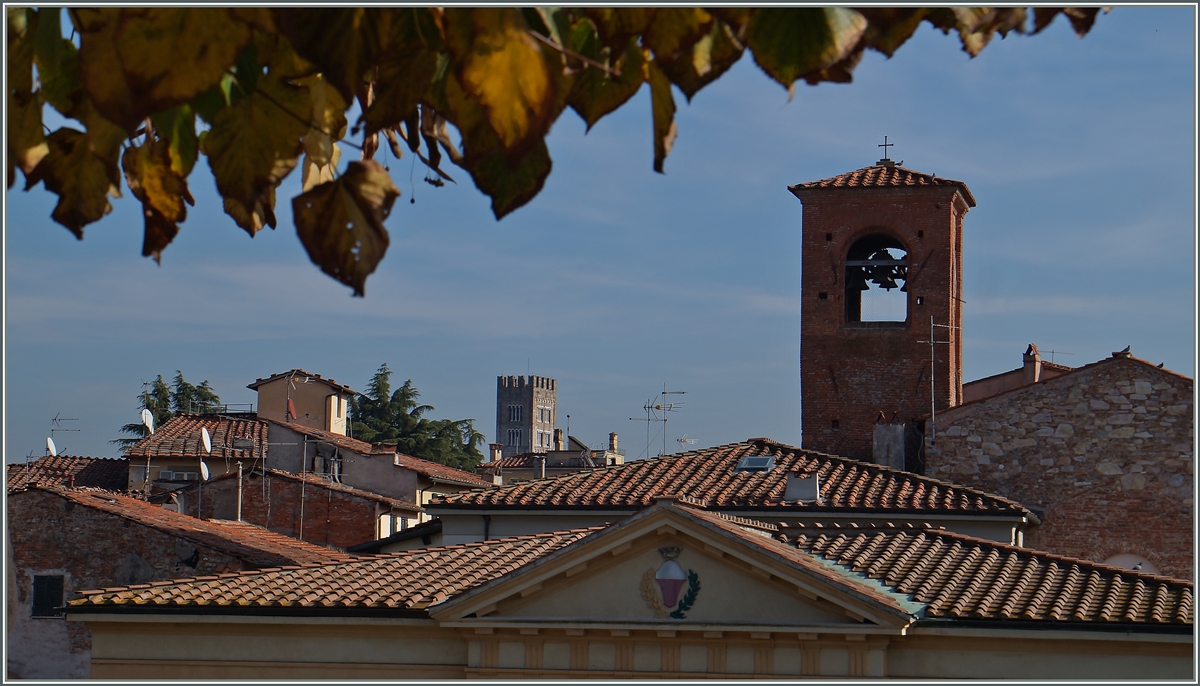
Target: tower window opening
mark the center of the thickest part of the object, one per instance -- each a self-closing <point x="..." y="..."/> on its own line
<point x="877" y="280"/>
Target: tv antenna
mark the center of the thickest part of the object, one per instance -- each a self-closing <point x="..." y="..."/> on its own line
<point x="1057" y="352"/>
<point x="56" y="426"/>
<point x="933" y="375"/>
<point x="685" y="441"/>
<point x="656" y="411"/>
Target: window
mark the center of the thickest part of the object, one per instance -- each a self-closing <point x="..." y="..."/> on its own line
<point x="47" y="596"/>
<point x="877" y="280"/>
<point x="514" y="413"/>
<point x="756" y="463"/>
<point x="514" y="437"/>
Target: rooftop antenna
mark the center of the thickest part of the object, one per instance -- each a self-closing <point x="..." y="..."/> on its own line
<point x="933" y="375"/>
<point x="653" y="409"/>
<point x="56" y="424"/>
<point x="50" y="449"/>
<point x="1057" y="352"/>
<point x="685" y="441"/>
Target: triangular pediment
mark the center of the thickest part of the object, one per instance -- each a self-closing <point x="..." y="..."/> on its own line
<point x="671" y="564"/>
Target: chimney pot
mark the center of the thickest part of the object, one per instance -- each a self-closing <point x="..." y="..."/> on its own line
<point x="496" y="449"/>
<point x="612" y="441"/>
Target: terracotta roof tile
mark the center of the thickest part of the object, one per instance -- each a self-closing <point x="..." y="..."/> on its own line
<point x="439" y="471"/>
<point x="882" y="176"/>
<point x="323" y="482"/>
<point x="962" y="577"/>
<point x="302" y="377"/>
<point x="180" y="437"/>
<point x="247" y="542"/>
<point x="63" y="470"/>
<point x="710" y="477"/>
<point x="412" y="579"/>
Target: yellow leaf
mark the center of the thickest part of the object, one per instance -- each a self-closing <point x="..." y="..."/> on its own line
<point x="77" y="176"/>
<point x="340" y="222"/>
<point x="254" y="143"/>
<point x="675" y="29"/>
<point x="595" y="93"/>
<point x="502" y="67"/>
<point x="662" y="104"/>
<point x="254" y="217"/>
<point x="161" y="190"/>
<point x="328" y="119"/>
<point x="699" y="66"/>
<point x="313" y="174"/>
<point x="26" y="142"/>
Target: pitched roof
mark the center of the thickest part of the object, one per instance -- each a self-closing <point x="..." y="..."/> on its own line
<point x="966" y="578"/>
<point x="64" y="470"/>
<point x="530" y="460"/>
<point x="302" y="377"/>
<point x="710" y="477"/>
<point x="412" y="579"/>
<point x="180" y="437"/>
<point x="440" y="472"/>
<point x="339" y="440"/>
<point x="255" y="545"/>
<point x="1068" y="374"/>
<point x="882" y="176"/>
<point x="320" y="482"/>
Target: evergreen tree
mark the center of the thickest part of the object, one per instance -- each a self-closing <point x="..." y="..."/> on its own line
<point x="383" y="416"/>
<point x="165" y="402"/>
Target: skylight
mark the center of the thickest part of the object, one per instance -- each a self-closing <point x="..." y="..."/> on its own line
<point x="756" y="463"/>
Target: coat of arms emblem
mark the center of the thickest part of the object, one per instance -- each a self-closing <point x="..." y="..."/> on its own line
<point x="661" y="588"/>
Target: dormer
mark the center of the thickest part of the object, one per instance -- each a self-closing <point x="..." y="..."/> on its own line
<point x="304" y="398"/>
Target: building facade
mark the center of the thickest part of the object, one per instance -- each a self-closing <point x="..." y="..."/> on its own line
<point x="882" y="264"/>
<point x="1103" y="453"/>
<point x="526" y="412"/>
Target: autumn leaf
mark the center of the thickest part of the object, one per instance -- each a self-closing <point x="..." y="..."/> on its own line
<point x="675" y="29"/>
<point x="73" y="172"/>
<point x="977" y="25"/>
<point x="162" y="191"/>
<point x="340" y="222"/>
<point x="253" y="144"/>
<point x="890" y="27"/>
<point x="505" y="70"/>
<point x="343" y="43"/>
<point x="178" y="126"/>
<point x="1081" y="18"/>
<point x="137" y="62"/>
<point x="662" y="104"/>
<point x="705" y="61"/>
<point x="26" y="141"/>
<point x="616" y="25"/>
<point x="403" y="79"/>
<point x="789" y="43"/>
<point x="595" y="92"/>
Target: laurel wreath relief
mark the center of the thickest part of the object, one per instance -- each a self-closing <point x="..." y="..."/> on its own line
<point x="650" y="595"/>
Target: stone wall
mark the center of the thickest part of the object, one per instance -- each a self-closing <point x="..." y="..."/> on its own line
<point x="1104" y="451"/>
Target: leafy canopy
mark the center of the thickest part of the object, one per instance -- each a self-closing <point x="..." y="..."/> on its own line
<point x="167" y="401"/>
<point x="258" y="92"/>
<point x="384" y="416"/>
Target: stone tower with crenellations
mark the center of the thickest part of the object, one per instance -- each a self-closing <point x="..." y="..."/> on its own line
<point x="525" y="414"/>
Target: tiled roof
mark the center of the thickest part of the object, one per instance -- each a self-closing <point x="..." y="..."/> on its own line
<point x="413" y="579"/>
<point x="302" y="376"/>
<point x="253" y="544"/>
<point x="710" y="477"/>
<point x="425" y="530"/>
<point x="180" y="437"/>
<point x="440" y="472"/>
<point x="322" y="482"/>
<point x="344" y="442"/>
<point x="883" y="176"/>
<point x="530" y="461"/>
<point x="961" y="577"/>
<point x="58" y="470"/>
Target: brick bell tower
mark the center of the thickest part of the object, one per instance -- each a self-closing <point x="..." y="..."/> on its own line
<point x="881" y="253"/>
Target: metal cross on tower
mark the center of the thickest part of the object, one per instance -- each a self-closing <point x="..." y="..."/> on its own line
<point x="885" y="145"/>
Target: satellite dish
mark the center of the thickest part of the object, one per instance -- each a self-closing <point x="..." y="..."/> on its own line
<point x="205" y="440"/>
<point x="148" y="420"/>
<point x="50" y="446"/>
<point x="203" y="470"/>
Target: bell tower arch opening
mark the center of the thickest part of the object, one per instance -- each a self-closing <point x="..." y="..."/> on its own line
<point x="876" y="280"/>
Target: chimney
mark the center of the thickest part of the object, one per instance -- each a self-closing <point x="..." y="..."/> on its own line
<point x="496" y="449"/>
<point x="541" y="460"/>
<point x="802" y="488"/>
<point x="612" y="441"/>
<point x="1033" y="365"/>
<point x="559" y="440"/>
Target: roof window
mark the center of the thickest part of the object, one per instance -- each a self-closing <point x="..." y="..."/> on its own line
<point x="756" y="463"/>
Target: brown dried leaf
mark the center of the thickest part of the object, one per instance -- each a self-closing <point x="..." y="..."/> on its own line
<point x="340" y="222"/>
<point x="662" y="103"/>
<point x="73" y="172"/>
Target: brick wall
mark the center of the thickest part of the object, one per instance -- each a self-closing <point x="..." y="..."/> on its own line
<point x="852" y="371"/>
<point x="90" y="549"/>
<point x="1105" y="451"/>
<point x="331" y="518"/>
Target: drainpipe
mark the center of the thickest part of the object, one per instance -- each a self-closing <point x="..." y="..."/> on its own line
<point x="487" y="527"/>
<point x="239" y="514"/>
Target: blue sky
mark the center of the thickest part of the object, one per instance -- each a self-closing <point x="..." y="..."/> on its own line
<point x="616" y="280"/>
